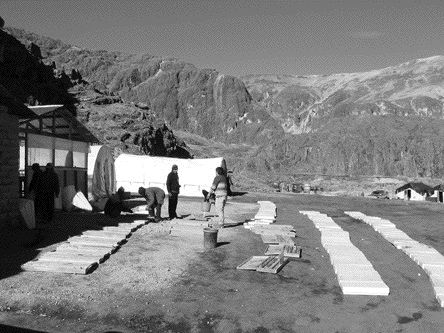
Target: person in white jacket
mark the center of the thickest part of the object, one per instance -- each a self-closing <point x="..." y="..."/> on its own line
<point x="219" y="188"/>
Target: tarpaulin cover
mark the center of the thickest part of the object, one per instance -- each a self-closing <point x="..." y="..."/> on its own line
<point x="104" y="179"/>
<point x="50" y="142"/>
<point x="195" y="175"/>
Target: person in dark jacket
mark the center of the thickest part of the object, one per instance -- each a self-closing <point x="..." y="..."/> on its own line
<point x="173" y="187"/>
<point x="155" y="197"/>
<point x="35" y="189"/>
<point x="49" y="189"/>
<point x="115" y="204"/>
<point x="35" y="180"/>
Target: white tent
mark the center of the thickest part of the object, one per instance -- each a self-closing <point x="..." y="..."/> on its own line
<point x="195" y="175"/>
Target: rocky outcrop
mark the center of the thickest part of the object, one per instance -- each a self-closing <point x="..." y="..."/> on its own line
<point x="386" y="122"/>
<point x="23" y="73"/>
<point x="184" y="97"/>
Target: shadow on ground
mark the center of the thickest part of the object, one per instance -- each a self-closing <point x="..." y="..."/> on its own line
<point x="19" y="245"/>
<point x="16" y="329"/>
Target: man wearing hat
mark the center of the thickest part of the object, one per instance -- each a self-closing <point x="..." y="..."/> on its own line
<point x="173" y="187"/>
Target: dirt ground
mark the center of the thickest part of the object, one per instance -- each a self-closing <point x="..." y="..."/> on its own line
<point x="161" y="282"/>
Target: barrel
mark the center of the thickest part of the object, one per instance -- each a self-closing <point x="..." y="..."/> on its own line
<point x="210" y="238"/>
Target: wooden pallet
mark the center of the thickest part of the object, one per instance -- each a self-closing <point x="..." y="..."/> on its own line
<point x="252" y="263"/>
<point x="265" y="264"/>
<point x="261" y="231"/>
<point x="65" y="254"/>
<point x="289" y="251"/>
<point x="273" y="264"/>
<point x="108" y="233"/>
<point x="78" y="259"/>
<point x="115" y="237"/>
<point x="277" y="239"/>
<point x="96" y="241"/>
<point x="282" y="227"/>
<point x="82" y="254"/>
<point x="97" y="250"/>
<point x="59" y="267"/>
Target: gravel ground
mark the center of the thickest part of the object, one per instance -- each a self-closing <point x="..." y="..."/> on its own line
<point x="160" y="282"/>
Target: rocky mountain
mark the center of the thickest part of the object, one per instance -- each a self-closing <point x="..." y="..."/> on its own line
<point x="24" y="74"/>
<point x="302" y="104"/>
<point x="184" y="97"/>
<point x="383" y="122"/>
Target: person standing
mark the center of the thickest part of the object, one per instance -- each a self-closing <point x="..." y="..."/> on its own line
<point x="35" y="186"/>
<point x="219" y="188"/>
<point x="155" y="197"/>
<point x="173" y="187"/>
<point x="49" y="189"/>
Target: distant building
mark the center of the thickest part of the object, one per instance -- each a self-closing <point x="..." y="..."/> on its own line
<point x="54" y="135"/>
<point x="439" y="193"/>
<point x="11" y="110"/>
<point x="414" y="191"/>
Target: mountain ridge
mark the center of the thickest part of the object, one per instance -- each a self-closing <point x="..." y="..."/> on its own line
<point x="411" y="88"/>
<point x="381" y="122"/>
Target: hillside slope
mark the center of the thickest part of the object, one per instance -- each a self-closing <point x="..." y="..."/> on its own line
<point x="383" y="122"/>
<point x="304" y="103"/>
<point x="184" y="97"/>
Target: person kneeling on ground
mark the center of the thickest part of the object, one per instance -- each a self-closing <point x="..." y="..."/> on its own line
<point x="219" y="188"/>
<point x="155" y="197"/>
<point x="115" y="204"/>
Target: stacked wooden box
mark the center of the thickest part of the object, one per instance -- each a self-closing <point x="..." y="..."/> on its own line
<point x="356" y="275"/>
<point x="266" y="214"/>
<point x="279" y="240"/>
<point x="82" y="254"/>
<point x="430" y="260"/>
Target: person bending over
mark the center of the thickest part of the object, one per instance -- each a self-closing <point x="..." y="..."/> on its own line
<point x="115" y="204"/>
<point x="154" y="197"/>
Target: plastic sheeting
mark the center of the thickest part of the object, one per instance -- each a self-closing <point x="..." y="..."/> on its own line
<point x="104" y="179"/>
<point x="195" y="175"/>
<point x="68" y="193"/>
<point x="81" y="202"/>
<point x="50" y="142"/>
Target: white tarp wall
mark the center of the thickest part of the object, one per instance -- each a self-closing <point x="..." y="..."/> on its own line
<point x="195" y="175"/>
<point x="92" y="155"/>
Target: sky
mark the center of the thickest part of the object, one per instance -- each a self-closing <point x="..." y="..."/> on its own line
<point x="240" y="37"/>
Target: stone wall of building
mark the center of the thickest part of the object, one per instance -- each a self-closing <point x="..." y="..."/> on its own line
<point x="9" y="166"/>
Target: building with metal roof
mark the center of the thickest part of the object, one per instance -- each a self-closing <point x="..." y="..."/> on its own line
<point x="54" y="135"/>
